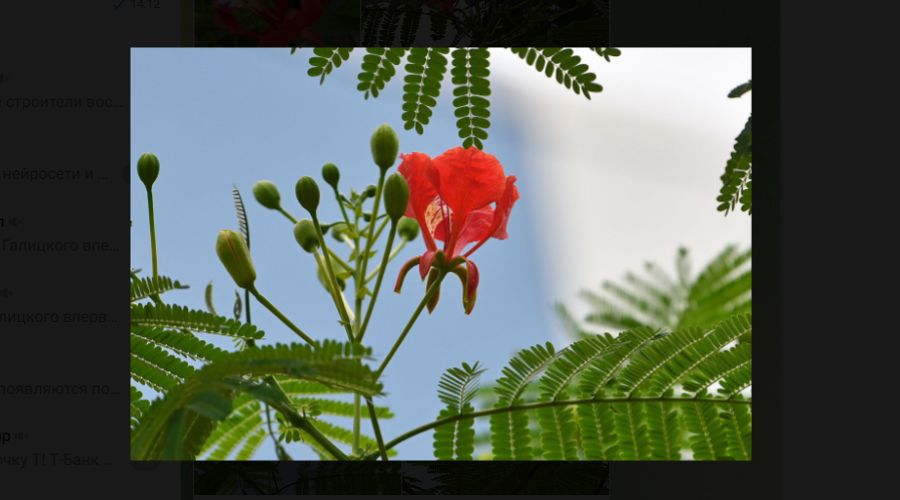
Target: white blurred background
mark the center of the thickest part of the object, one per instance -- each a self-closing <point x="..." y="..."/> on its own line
<point x="632" y="174"/>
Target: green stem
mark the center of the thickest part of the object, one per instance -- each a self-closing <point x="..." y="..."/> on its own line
<point x="305" y="425"/>
<point x="286" y="214"/>
<point x="396" y="251"/>
<point x="340" y="302"/>
<point x="380" y="229"/>
<point x="377" y="429"/>
<point x="268" y="305"/>
<point x="431" y="291"/>
<point x="365" y="254"/>
<point x="549" y="404"/>
<point x="337" y="196"/>
<point x="339" y="260"/>
<point x="335" y="290"/>
<point x="384" y="263"/>
<point x="152" y="232"/>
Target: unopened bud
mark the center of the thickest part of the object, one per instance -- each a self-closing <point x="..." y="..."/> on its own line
<point x="235" y="256"/>
<point x="331" y="174"/>
<point x="306" y="235"/>
<point x="148" y="168"/>
<point x="385" y="146"/>
<point x="396" y="196"/>
<point x="308" y="194"/>
<point x="266" y="193"/>
<point x="408" y="228"/>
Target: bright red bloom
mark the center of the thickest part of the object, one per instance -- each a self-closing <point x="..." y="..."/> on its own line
<point x="462" y="198"/>
<point x="282" y="23"/>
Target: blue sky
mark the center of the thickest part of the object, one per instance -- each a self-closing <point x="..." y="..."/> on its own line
<point x="223" y="117"/>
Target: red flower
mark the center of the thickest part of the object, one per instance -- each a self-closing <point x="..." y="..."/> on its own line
<point x="282" y="24"/>
<point x="452" y="196"/>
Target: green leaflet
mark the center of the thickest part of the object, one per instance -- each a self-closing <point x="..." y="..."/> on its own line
<point x="658" y="300"/>
<point x="143" y="288"/>
<point x="378" y="67"/>
<point x="332" y="363"/>
<point x="325" y="60"/>
<point x="565" y="66"/>
<point x="737" y="181"/>
<point x="181" y="318"/>
<point x="427" y="66"/>
<point x="425" y="71"/>
<point x="639" y="395"/>
<point x="470" y="72"/>
<point x="456" y="389"/>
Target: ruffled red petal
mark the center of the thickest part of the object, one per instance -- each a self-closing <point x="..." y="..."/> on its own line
<point x="501" y="214"/>
<point x="468" y="179"/>
<point x="415" y="168"/>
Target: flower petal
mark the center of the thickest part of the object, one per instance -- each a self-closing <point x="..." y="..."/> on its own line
<point x="468" y="179"/>
<point x="500" y="215"/>
<point x="404" y="270"/>
<point x="425" y="262"/>
<point x="476" y="227"/>
<point x="414" y="167"/>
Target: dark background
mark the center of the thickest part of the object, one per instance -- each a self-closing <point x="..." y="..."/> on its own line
<point x="76" y="150"/>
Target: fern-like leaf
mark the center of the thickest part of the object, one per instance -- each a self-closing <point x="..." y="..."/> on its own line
<point x="139" y="406"/>
<point x="153" y="366"/>
<point x="183" y="343"/>
<point x="510" y="434"/>
<point x="657" y="300"/>
<point x="456" y="390"/>
<point x="470" y="72"/>
<point x="241" y="213"/>
<point x="708" y="439"/>
<point x="736" y="422"/>
<point x="558" y="437"/>
<point x="425" y="71"/>
<point x="737" y="181"/>
<point x="563" y="65"/>
<point x="181" y="318"/>
<point x="325" y="60"/>
<point x="607" y="52"/>
<point x="598" y="438"/>
<point x="378" y="67"/>
<point x="331" y="363"/>
<point x="142" y="288"/>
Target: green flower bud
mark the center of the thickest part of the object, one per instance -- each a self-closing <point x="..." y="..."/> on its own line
<point x="396" y="196"/>
<point x="331" y="174"/>
<point x="266" y="193"/>
<point x="306" y="236"/>
<point x="385" y="146"/>
<point x="148" y="168"/>
<point x="235" y="256"/>
<point x="308" y="193"/>
<point x="408" y="228"/>
<point x="370" y="192"/>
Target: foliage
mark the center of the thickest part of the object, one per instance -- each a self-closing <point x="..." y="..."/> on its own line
<point x="737" y="181"/>
<point x="426" y="69"/>
<point x="657" y="299"/>
<point x="644" y="394"/>
<point x="676" y="381"/>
